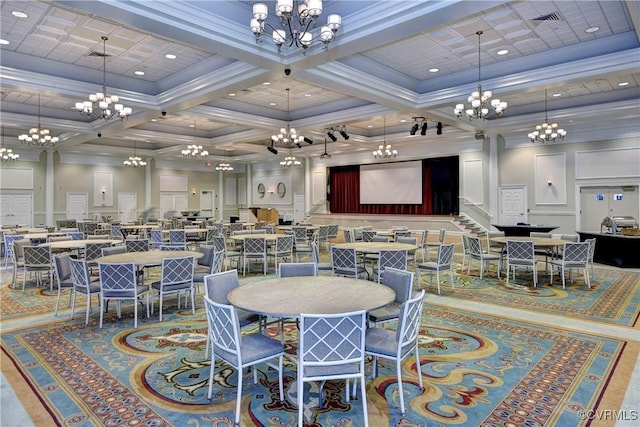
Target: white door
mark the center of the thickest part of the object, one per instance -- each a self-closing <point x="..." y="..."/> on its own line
<point x="207" y="202"/>
<point x="298" y="207"/>
<point x="513" y="205"/>
<point x="127" y="207"/>
<point x="171" y="204"/>
<point x="596" y="203"/>
<point x="77" y="206"/>
<point x="16" y="209"/>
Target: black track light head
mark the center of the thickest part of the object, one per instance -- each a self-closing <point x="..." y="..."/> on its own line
<point x="331" y="135"/>
<point x="423" y="129"/>
<point x="298" y="145"/>
<point x="414" y="128"/>
<point x="273" y="150"/>
<point x="343" y="133"/>
<point x="307" y="140"/>
<point x="439" y="128"/>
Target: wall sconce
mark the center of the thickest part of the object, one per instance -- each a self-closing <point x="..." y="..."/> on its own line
<point x="193" y="191"/>
<point x="549" y="183"/>
<point x="271" y="190"/>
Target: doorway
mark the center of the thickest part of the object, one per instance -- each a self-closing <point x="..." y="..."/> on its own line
<point x="16" y="209"/>
<point x="513" y="205"/>
<point x="598" y="202"/>
<point x="298" y="208"/>
<point x="207" y="203"/>
<point x="77" y="206"/>
<point x="127" y="207"/>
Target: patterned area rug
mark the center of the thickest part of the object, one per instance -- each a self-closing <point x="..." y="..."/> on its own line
<point x="614" y="297"/>
<point x="478" y="370"/>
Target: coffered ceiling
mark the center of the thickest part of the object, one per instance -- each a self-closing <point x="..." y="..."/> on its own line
<point x="227" y="92"/>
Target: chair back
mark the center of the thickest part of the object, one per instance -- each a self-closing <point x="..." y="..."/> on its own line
<point x="343" y="261"/>
<point x="8" y="244"/>
<point x="297" y="269"/>
<point x="392" y="258"/>
<point x="323" y="232"/>
<point x="379" y="238"/>
<point x="465" y="244"/>
<point x="211" y="233"/>
<point x="177" y="271"/>
<point x="76" y="235"/>
<point x="331" y="345"/>
<point x="137" y="245"/>
<point x="349" y="235"/>
<point x="300" y="234"/>
<point x="79" y="274"/>
<point x="177" y="237"/>
<point x="400" y="233"/>
<point x="367" y="235"/>
<point x="475" y="246"/>
<point x="218" y="261"/>
<point x="539" y="234"/>
<point x="401" y="281"/>
<point x="570" y="237"/>
<point x="284" y="244"/>
<point x="236" y="226"/>
<point x="207" y="252"/>
<point x="520" y="250"/>
<point x="224" y="331"/>
<point x="58" y="238"/>
<point x="120" y="249"/>
<point x="117" y="280"/>
<point x="407" y="239"/>
<point x="315" y="253"/>
<point x="37" y="256"/>
<point x="574" y="252"/>
<point x="94" y="250"/>
<point x="255" y="246"/>
<point x="217" y="286"/>
<point x="62" y="268"/>
<point x="157" y="239"/>
<point x="17" y="249"/>
<point x="269" y="229"/>
<point x="259" y="225"/>
<point x="592" y="248"/>
<point x="116" y="232"/>
<point x="409" y="325"/>
<point x="442" y="235"/>
<point x="445" y="255"/>
<point x="333" y="231"/>
<point x="220" y="243"/>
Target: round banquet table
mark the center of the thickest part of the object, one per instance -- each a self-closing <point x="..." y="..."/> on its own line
<point x="376" y="247"/>
<point x="148" y="258"/>
<point x="291" y="296"/>
<point x="538" y="242"/>
<point x="259" y="236"/>
<point x="77" y="244"/>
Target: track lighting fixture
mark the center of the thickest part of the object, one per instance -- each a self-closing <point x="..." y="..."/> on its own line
<point x="343" y="133"/>
<point x="419" y="123"/>
<point x="423" y="128"/>
<point x="331" y="135"/>
<point x="307" y="140"/>
<point x="414" y="128"/>
<point x="439" y="128"/>
<point x="271" y="149"/>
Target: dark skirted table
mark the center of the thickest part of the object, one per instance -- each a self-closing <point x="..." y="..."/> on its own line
<point x="615" y="249"/>
<point x="524" y="230"/>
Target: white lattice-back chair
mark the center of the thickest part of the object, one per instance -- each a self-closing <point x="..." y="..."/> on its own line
<point x="483" y="258"/>
<point x="177" y="238"/>
<point x="137" y="245"/>
<point x="37" y="260"/>
<point x="575" y="256"/>
<point x="62" y="273"/>
<point x="389" y="258"/>
<point x="398" y="345"/>
<point x="282" y="249"/>
<point x="592" y="251"/>
<point x="321" y="266"/>
<point x="344" y="263"/>
<point x="331" y="347"/>
<point x="239" y="351"/>
<point x="254" y="249"/>
<point x="521" y="254"/>
<point x="82" y="285"/>
<point x="401" y="282"/>
<point x="118" y="282"/>
<point x="434" y="245"/>
<point x="443" y="262"/>
<point x="157" y="237"/>
<point x="176" y="278"/>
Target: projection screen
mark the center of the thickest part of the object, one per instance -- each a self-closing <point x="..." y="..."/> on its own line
<point x="391" y="183"/>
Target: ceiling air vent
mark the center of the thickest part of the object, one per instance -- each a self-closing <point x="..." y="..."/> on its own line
<point x="554" y="16"/>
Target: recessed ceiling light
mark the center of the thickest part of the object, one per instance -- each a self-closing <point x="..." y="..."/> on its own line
<point x="139" y="73"/>
<point x="3" y="41"/>
<point x="623" y="84"/>
<point x="369" y="126"/>
<point x="434" y="70"/>
<point x="503" y="52"/>
<point x="266" y="83"/>
<point x="232" y="94"/>
<point x="307" y="94"/>
<point x="403" y="120"/>
<point x="555" y="95"/>
<point x="273" y="104"/>
<point x="19" y="14"/>
<point x="154" y="120"/>
<point x="192" y="125"/>
<point x="592" y="29"/>
<point x="170" y="56"/>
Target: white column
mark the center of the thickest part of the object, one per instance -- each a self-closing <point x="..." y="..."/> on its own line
<point x="49" y="188"/>
<point x="493" y="178"/>
<point x="221" y="196"/>
<point x="249" y="185"/>
<point x="307" y="186"/>
<point x="147" y="185"/>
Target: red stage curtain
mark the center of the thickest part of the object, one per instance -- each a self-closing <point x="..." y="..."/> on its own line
<point x="345" y="194"/>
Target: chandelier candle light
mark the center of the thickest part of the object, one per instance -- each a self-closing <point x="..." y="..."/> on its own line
<point x="290" y="162"/>
<point x="480" y="102"/>
<point x="298" y="19"/>
<point x="547" y="131"/>
<point x="38" y="136"/>
<point x="224" y="166"/>
<point x="7" y="154"/>
<point x="287" y="137"/>
<point x="134" y="161"/>
<point x="384" y="150"/>
<point x="100" y="105"/>
<point x="195" y="150"/>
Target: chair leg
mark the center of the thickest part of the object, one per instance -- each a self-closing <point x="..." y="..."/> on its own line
<point x="400" y="391"/>
<point x="363" y="392"/>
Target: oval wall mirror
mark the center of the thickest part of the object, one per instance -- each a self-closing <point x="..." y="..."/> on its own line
<point x="281" y="189"/>
<point x="261" y="190"/>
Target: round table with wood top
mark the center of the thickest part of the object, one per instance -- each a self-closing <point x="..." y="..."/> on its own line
<point x="538" y="242"/>
<point x="147" y="258"/>
<point x="78" y="244"/>
<point x="291" y="296"/>
<point x="376" y="247"/>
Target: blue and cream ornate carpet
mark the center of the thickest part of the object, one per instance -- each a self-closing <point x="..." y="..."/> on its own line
<point x="479" y="369"/>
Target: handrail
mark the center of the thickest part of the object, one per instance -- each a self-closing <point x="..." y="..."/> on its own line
<point x="475" y="205"/>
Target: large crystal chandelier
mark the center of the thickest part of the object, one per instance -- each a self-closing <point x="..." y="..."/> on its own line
<point x="38" y="136"/>
<point x="298" y="19"/>
<point x="100" y="105"/>
<point x="384" y="150"/>
<point x="480" y="103"/>
<point x="547" y="131"/>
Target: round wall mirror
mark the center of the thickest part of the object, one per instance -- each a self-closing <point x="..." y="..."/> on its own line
<point x="281" y="189"/>
<point x="261" y="190"/>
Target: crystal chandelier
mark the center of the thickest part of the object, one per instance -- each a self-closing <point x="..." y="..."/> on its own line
<point x="7" y="154"/>
<point x="195" y="150"/>
<point x="224" y="166"/>
<point x="134" y="161"/>
<point x="287" y="137"/>
<point x="38" y="136"/>
<point x="298" y="19"/>
<point x="100" y="105"/>
<point x="384" y="150"/>
<point x="480" y="102"/>
<point x="290" y="162"/>
<point x="547" y="131"/>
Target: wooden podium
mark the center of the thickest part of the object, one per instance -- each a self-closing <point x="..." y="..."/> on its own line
<point x="270" y="216"/>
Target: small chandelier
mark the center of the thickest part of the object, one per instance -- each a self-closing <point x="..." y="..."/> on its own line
<point x="38" y="136"/>
<point x="384" y="150"/>
<point x="288" y="136"/>
<point x="547" y="131"/>
<point x="298" y="19"/>
<point x="194" y="150"/>
<point x="100" y="105"/>
<point x="480" y="102"/>
<point x="224" y="166"/>
<point x="290" y="162"/>
<point x="7" y="154"/>
<point x="134" y="161"/>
